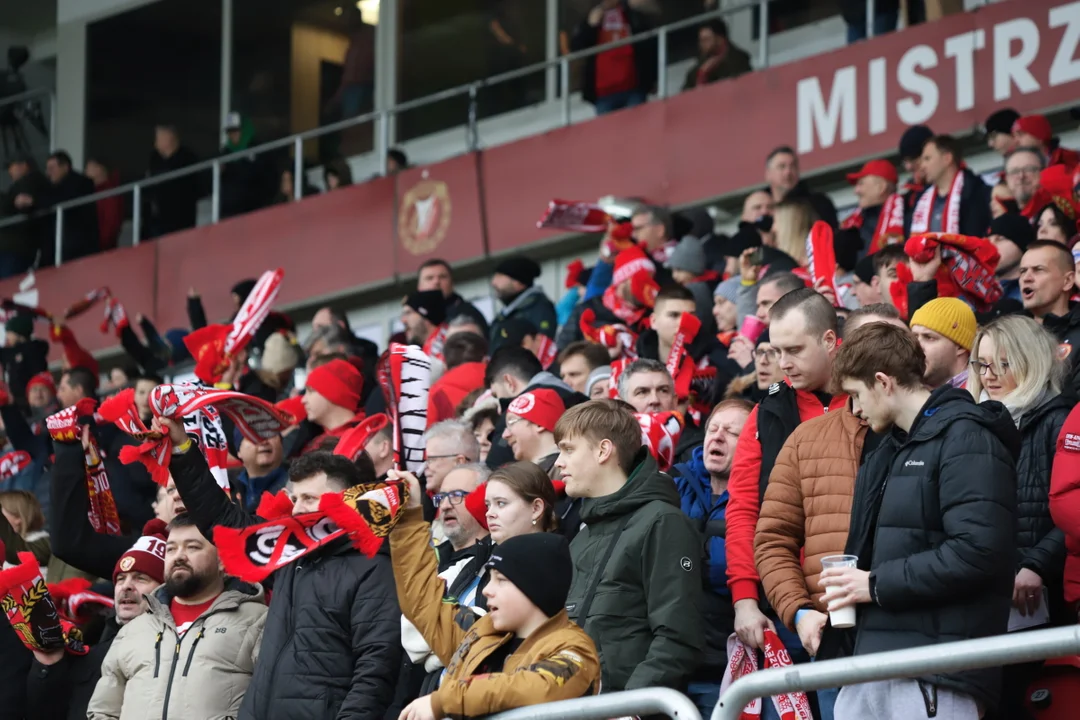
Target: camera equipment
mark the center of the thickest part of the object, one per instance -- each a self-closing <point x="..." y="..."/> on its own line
<point x="15" y="117"/>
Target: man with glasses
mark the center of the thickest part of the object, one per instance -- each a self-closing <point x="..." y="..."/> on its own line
<point x="447" y="444"/>
<point x="945" y="328"/>
<point x="1022" y="168"/>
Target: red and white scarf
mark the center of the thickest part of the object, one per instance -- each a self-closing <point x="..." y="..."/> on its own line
<point x="546" y="351"/>
<point x="950" y="218"/>
<point x="65" y="426"/>
<point x="435" y="343"/>
<point x="660" y="433"/>
<point x="742" y="661"/>
<point x="571" y="216"/>
<point x="31" y="611"/>
<point x="890" y="224"/>
<point x="253" y="312"/>
<point x="13" y="463"/>
<point x="821" y="257"/>
<point x="405" y="377"/>
<point x="680" y="365"/>
<point x="256" y="419"/>
<point x="610" y="336"/>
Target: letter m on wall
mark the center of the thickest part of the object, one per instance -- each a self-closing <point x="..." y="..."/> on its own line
<point x="819" y="121"/>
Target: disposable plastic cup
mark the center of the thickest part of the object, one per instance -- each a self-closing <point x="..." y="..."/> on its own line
<point x="844" y="617"/>
<point x="752" y="328"/>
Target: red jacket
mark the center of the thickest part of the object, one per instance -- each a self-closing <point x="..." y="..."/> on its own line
<point x="1065" y="499"/>
<point x="110" y="212"/>
<point x="449" y="390"/>
<point x="744" y="500"/>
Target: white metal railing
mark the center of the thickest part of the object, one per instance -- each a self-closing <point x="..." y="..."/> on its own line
<point x="647" y="701"/>
<point x="951" y="657"/>
<point x="383" y="118"/>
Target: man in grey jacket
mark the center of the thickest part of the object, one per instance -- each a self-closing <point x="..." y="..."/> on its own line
<point x="192" y="653"/>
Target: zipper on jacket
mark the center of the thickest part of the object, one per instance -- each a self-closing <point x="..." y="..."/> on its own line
<point x="157" y="654"/>
<point x="191" y="653"/>
<point x="172" y="673"/>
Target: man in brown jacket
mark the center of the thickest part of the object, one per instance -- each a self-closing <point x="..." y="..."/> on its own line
<point x="807" y="507"/>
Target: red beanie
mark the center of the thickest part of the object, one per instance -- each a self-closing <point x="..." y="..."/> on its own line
<point x="629" y="263"/>
<point x="476" y="504"/>
<point x="339" y="382"/>
<point x="1035" y="125"/>
<point x="42" y="378"/>
<point x="147" y="555"/>
<point x="542" y="407"/>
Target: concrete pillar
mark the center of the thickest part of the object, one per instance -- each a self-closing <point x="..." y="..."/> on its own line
<point x="71" y="62"/>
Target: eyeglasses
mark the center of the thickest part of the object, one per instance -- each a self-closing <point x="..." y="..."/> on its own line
<point x="454" y="496"/>
<point x="1029" y="170"/>
<point x="513" y="421"/>
<point x="440" y="457"/>
<point x="769" y="354"/>
<point x="983" y="368"/>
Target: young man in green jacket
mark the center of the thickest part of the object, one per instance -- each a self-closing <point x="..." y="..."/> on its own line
<point x="637" y="563"/>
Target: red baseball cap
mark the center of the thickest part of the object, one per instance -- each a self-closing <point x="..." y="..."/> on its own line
<point x="542" y="407"/>
<point x="1036" y="125"/>
<point x="880" y="168"/>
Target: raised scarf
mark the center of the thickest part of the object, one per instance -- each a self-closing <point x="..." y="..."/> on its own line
<point x="680" y="365"/>
<point x="66" y="426"/>
<point x="256" y="419"/>
<point x="924" y="208"/>
<point x="610" y="336"/>
<point x="115" y="313"/>
<point x="570" y="216"/>
<point x="31" y="611"/>
<point x="821" y="258"/>
<point x="405" y="377"/>
<point x="890" y="223"/>
<point x="364" y="513"/>
<point x="660" y="433"/>
<point x="71" y="594"/>
<point x="968" y="266"/>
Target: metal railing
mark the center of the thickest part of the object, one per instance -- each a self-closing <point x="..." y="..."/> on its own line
<point x="647" y="701"/>
<point x="951" y="657"/>
<point x="383" y="118"/>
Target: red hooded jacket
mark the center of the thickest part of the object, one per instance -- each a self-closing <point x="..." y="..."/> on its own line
<point x="450" y="389"/>
<point x="1065" y="499"/>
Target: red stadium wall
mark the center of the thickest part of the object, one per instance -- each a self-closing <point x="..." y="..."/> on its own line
<point x="835" y="110"/>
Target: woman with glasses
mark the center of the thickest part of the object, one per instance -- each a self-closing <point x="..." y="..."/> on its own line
<point x="1017" y="363"/>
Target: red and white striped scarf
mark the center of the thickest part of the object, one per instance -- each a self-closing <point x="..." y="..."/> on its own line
<point x="920" y="220"/>
<point x="405" y="377"/>
<point x="890" y="224"/>
<point x="742" y="661"/>
<point x="65" y="426"/>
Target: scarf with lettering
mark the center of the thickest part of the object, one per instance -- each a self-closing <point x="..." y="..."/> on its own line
<point x="405" y="377"/>
<point x="890" y="224"/>
<point x="256" y="419"/>
<point x="364" y="513"/>
<point x="32" y="612"/>
<point x="950" y="218"/>
<point x="967" y="268"/>
<point x="742" y="660"/>
<point x="66" y="426"/>
<point x="680" y="365"/>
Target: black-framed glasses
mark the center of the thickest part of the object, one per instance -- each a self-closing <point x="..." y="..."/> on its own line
<point x="769" y="354"/>
<point x="454" y="496"/>
<point x="982" y="368"/>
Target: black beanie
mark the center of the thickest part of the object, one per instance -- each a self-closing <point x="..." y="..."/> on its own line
<point x="912" y="141"/>
<point x="429" y="303"/>
<point x="1014" y="227"/>
<point x="864" y="269"/>
<point x="1001" y="121"/>
<point x="519" y="268"/>
<point x="20" y="324"/>
<point x="243" y="288"/>
<point x="539" y="565"/>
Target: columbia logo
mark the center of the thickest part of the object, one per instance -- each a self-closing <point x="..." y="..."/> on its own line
<point x="914" y="463"/>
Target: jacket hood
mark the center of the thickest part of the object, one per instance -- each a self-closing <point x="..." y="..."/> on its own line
<point x="467" y="376"/>
<point x="1044" y="408"/>
<point x="947" y="405"/>
<point x="646" y="484"/>
<point x="236" y="592"/>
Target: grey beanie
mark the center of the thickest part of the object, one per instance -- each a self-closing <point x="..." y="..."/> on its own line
<point x="729" y="289"/>
<point x="601" y="373"/>
<point x="688" y="255"/>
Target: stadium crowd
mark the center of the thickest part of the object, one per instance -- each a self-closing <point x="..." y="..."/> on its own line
<point x="813" y="438"/>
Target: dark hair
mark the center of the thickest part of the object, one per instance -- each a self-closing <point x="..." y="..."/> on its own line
<point x="341" y="169"/>
<point x="486" y="413"/>
<point x="718" y="26"/>
<point x="595" y="354"/>
<point x="660" y="215"/>
<point x="341" y="472"/>
<point x="529" y="482"/>
<point x="1062" y="252"/>
<point x="880" y="348"/>
<point x="82" y="378"/>
<point x="881" y="309"/>
<point x="819" y="313"/>
<point x="464" y="347"/>
<point x="157" y="380"/>
<point x="62" y="157"/>
<point x="888" y="255"/>
<point x="785" y="281"/>
<point x="948" y="144"/>
<point x="781" y="150"/>
<point x="673" y="292"/>
<point x="182" y="520"/>
<point x="1063" y="221"/>
<point x="436" y="262"/>
<point x="398" y="155"/>
<point x="512" y="360"/>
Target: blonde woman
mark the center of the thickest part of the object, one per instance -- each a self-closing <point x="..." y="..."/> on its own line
<point x="23" y="527"/>
<point x="792" y="220"/>
<point x="1016" y="362"/>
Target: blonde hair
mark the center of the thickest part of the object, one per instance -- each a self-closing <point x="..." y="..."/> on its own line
<point x="792" y="220"/>
<point x="1032" y="355"/>
<point x="23" y="505"/>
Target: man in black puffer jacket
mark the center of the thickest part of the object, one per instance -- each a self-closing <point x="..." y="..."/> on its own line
<point x="332" y="644"/>
<point x="933" y="524"/>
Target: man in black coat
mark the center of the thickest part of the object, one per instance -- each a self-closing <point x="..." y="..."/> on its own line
<point x="785" y="183"/>
<point x="332" y="644"/>
<point x="20" y="243"/>
<point x="513" y="282"/>
<point x="933" y="525"/>
<point x="170" y="206"/>
<point x="949" y="181"/>
<point x="435" y="274"/>
<point x="80" y="230"/>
